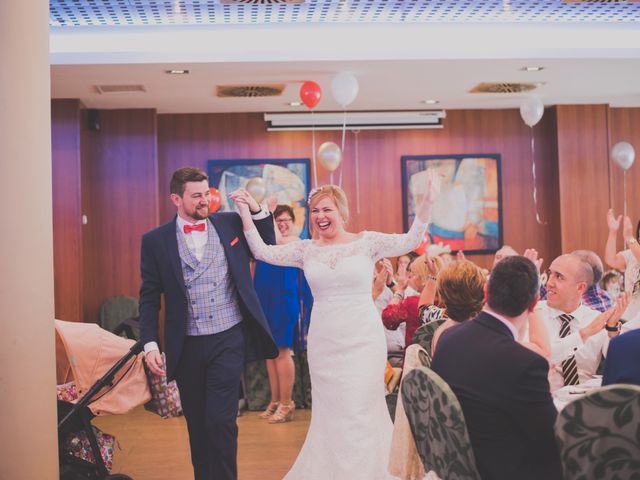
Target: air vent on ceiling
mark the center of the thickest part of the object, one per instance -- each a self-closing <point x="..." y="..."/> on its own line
<point x="113" y="89"/>
<point x="258" y="2"/>
<point x="503" y="87"/>
<point x="243" y="91"/>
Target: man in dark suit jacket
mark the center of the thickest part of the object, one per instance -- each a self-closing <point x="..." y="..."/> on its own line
<point x="623" y="359"/>
<point x="502" y="386"/>
<point x="213" y="319"/>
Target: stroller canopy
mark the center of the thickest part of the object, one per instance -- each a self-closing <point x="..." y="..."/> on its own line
<point x="85" y="352"/>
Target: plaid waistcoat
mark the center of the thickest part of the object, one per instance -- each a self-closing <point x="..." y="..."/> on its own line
<point x="212" y="295"/>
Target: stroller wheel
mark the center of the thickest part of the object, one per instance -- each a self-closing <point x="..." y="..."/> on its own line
<point x="118" y="476"/>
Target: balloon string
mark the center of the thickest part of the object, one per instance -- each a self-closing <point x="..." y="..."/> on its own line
<point x="313" y="151"/>
<point x="533" y="171"/>
<point x="344" y="129"/>
<point x="331" y="178"/>
<point x="355" y="133"/>
<point x="624" y="191"/>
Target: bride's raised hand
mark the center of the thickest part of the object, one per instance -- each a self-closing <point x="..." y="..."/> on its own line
<point x="241" y="198"/>
<point x="431" y="192"/>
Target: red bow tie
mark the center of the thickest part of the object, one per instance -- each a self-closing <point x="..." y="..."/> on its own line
<point x="198" y="228"/>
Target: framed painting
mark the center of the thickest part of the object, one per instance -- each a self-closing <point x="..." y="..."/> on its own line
<point x="285" y="181"/>
<point x="467" y="214"/>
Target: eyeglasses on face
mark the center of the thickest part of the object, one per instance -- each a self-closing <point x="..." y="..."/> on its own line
<point x="284" y="220"/>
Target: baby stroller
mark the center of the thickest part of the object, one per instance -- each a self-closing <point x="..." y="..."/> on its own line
<point x="107" y="373"/>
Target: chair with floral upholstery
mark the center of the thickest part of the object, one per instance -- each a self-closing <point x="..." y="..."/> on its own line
<point x="423" y="335"/>
<point x="599" y="434"/>
<point x="438" y="426"/>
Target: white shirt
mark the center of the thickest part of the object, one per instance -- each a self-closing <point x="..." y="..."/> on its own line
<point x="588" y="354"/>
<point x="196" y="241"/>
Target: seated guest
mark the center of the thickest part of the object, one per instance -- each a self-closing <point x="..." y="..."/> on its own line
<point x="611" y="283"/>
<point x="403" y="308"/>
<point x="502" y="386"/>
<point x="382" y="295"/>
<point x="460" y="287"/>
<point x="579" y="335"/>
<point x="504" y="252"/>
<point x="594" y="296"/>
<point x="623" y="360"/>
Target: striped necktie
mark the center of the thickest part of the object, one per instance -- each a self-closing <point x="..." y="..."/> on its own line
<point x="569" y="365"/>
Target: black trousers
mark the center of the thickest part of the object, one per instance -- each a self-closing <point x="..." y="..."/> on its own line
<point x="208" y="376"/>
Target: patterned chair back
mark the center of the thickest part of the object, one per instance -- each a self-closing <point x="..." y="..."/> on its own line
<point x="599" y="434"/>
<point x="438" y="426"/>
<point x="423" y="335"/>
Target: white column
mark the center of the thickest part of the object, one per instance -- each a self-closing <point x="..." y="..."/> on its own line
<point x="27" y="350"/>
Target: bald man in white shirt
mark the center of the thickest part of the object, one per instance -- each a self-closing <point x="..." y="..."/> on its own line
<point x="579" y="335"/>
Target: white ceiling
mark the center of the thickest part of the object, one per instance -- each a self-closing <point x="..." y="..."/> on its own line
<point x="401" y="52"/>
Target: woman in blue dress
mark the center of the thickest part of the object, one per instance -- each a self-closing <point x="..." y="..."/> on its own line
<point x="278" y="291"/>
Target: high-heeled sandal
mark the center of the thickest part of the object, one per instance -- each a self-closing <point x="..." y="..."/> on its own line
<point x="270" y="410"/>
<point x="283" y="414"/>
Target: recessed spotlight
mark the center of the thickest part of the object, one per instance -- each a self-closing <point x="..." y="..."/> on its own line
<point x="431" y="102"/>
<point x="295" y="104"/>
<point x="532" y="68"/>
<point x="177" y="72"/>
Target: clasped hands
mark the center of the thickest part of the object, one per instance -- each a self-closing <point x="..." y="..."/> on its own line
<point x="245" y="202"/>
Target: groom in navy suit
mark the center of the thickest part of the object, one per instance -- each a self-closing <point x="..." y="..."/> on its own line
<point x="213" y="319"/>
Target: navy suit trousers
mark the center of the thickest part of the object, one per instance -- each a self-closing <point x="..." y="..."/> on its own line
<point x="208" y="376"/>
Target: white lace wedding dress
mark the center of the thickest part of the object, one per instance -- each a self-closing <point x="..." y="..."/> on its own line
<point x="350" y="432"/>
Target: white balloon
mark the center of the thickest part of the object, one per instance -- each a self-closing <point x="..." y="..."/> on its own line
<point x="531" y="110"/>
<point x="256" y="188"/>
<point x="344" y="88"/>
<point x="623" y="154"/>
<point x="329" y="156"/>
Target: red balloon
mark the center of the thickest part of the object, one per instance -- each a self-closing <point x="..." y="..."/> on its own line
<point x="310" y="93"/>
<point x="215" y="200"/>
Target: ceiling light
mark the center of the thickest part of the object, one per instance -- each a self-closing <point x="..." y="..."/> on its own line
<point x="176" y="72"/>
<point x="431" y="102"/>
<point x="534" y="68"/>
<point x="295" y="104"/>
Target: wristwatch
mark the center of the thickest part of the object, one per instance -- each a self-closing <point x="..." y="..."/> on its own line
<point x="615" y="328"/>
<point x="391" y="284"/>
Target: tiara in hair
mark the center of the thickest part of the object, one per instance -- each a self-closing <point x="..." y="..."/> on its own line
<point x="313" y="192"/>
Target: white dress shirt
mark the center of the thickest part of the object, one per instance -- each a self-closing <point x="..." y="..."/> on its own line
<point x="196" y="241"/>
<point x="588" y="354"/>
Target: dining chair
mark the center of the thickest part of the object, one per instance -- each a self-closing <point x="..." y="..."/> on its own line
<point x="438" y="426"/>
<point x="599" y="434"/>
<point x="423" y="335"/>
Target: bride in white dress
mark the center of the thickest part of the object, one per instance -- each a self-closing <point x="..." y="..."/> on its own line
<point x="350" y="432"/>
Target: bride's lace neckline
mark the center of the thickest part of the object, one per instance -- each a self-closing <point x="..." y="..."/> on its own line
<point x="361" y="235"/>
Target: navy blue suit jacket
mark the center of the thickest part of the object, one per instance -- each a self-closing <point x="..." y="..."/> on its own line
<point x="623" y="359"/>
<point x="162" y="275"/>
<point x="504" y="393"/>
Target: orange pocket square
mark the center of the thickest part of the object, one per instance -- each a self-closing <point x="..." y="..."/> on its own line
<point x="234" y="241"/>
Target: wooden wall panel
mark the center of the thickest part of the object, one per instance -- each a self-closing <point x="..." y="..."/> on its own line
<point x="624" y="125"/>
<point x="583" y="168"/>
<point x="67" y="227"/>
<point x="194" y="139"/>
<point x="120" y="201"/>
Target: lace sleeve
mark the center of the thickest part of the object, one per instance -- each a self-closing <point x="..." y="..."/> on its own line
<point x="394" y="244"/>
<point x="287" y="255"/>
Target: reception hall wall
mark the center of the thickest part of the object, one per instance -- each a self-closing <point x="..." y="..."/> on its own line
<point x="117" y="177"/>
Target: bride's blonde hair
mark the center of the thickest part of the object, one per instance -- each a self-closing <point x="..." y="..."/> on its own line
<point x="337" y="196"/>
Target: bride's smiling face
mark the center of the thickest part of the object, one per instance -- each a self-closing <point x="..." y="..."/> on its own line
<point x="326" y="218"/>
